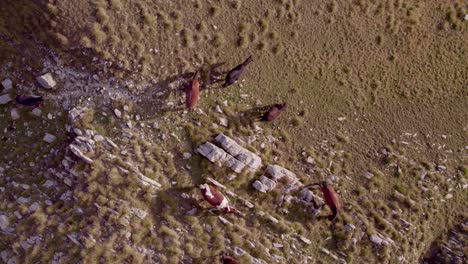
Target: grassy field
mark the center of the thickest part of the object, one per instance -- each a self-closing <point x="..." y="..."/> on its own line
<point x="376" y="94"/>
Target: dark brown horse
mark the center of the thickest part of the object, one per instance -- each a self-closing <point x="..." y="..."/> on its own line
<point x="236" y="72"/>
<point x="331" y="198"/>
<point x="29" y="100"/>
<point x="274" y="112"/>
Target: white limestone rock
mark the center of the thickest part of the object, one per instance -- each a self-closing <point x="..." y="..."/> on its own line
<point x="49" y="138"/>
<point x="14" y="114"/>
<point x="267" y="182"/>
<point x="37" y="111"/>
<point x="259" y="186"/>
<point x="4" y="223"/>
<point x="80" y="154"/>
<point x="7" y="84"/>
<point x="277" y="173"/>
<point x="212" y="152"/>
<point x="5" y="99"/>
<point x="47" y="81"/>
<point x="117" y="113"/>
<point x="252" y="160"/>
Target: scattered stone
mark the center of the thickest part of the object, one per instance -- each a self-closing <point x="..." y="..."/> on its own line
<point x="274" y="220"/>
<point x="23" y="200"/>
<point x="33" y="207"/>
<point x="305" y="240"/>
<point x="75" y="113"/>
<point x="270" y="184"/>
<point x="139" y="212"/>
<point x="80" y="154"/>
<point x="216" y="183"/>
<point x="448" y="196"/>
<point x="4" y="223"/>
<point x="73" y="239"/>
<point x="117" y="113"/>
<point x="110" y="143"/>
<point x="187" y="155"/>
<point x="341" y="119"/>
<point x="218" y="109"/>
<point x="278" y="245"/>
<point x="441" y="167"/>
<point x="5" y="99"/>
<point x="259" y="186"/>
<point x="239" y="251"/>
<point x="277" y="173"/>
<point x="192" y="211"/>
<point x="48" y="184"/>
<point x="7" y="84"/>
<point x="368" y="175"/>
<point x="310" y="160"/>
<point x="324" y="250"/>
<point x="350" y="227"/>
<point x="247" y="203"/>
<point x="465" y="17"/>
<point x="77" y="131"/>
<point x="223" y="121"/>
<point x="14" y="114"/>
<point x="147" y="181"/>
<point x="231" y="177"/>
<point x="49" y="138"/>
<point x="98" y="138"/>
<point x="37" y="111"/>
<point x="380" y="240"/>
<point x="129" y="124"/>
<point x="224" y="221"/>
<point x="46" y="81"/>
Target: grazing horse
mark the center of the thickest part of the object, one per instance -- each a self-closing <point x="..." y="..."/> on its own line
<point x="274" y="112"/>
<point x="331" y="198"/>
<point x="217" y="199"/>
<point x="192" y="93"/>
<point x="30" y="100"/>
<point x="236" y="72"/>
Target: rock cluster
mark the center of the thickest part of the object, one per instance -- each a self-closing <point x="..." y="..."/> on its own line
<point x="273" y="174"/>
<point x="230" y="154"/>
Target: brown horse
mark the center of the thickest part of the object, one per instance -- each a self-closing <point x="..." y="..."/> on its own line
<point x="236" y="72"/>
<point x="216" y="199"/>
<point x="274" y="112"/>
<point x="331" y="198"/>
<point x="192" y="93"/>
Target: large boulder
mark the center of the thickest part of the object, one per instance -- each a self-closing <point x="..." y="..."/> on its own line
<point x="277" y="173"/>
<point x="212" y="152"/>
<point x="250" y="159"/>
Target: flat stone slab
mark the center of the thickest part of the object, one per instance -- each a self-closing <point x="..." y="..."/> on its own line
<point x="47" y="81"/>
<point x="212" y="152"/>
<point x="251" y="159"/>
<point x="277" y="173"/>
<point x="80" y="154"/>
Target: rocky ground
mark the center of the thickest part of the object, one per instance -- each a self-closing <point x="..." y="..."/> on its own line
<point x="108" y="168"/>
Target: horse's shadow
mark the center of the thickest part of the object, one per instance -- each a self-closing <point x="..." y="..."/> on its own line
<point x="168" y="93"/>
